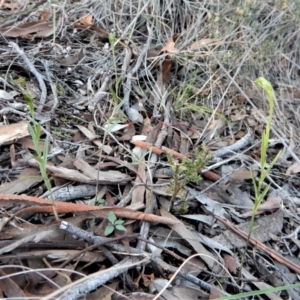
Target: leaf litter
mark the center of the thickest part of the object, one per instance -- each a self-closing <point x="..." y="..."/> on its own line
<point x="126" y="96"/>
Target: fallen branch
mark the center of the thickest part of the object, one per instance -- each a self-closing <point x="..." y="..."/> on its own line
<point x="44" y="205"/>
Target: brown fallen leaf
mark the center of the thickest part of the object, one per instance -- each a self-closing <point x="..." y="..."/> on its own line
<point x="293" y="169"/>
<point x="9" y="287"/>
<point x="243" y="174"/>
<point x="28" y="30"/>
<point x="104" y="293"/>
<point x="28" y="143"/>
<point x="103" y="176"/>
<point x="129" y="132"/>
<point x="170" y="45"/>
<point x="168" y="62"/>
<point x="71" y="60"/>
<point x="215" y="294"/>
<point x="264" y="225"/>
<point x="45" y="15"/>
<point x="87" y="20"/>
<point x="216" y="124"/>
<point x="13" y="132"/>
<point x="28" y="177"/>
<point x="270" y="204"/>
<point x="166" y="69"/>
<point x="230" y="263"/>
<point x="203" y="43"/>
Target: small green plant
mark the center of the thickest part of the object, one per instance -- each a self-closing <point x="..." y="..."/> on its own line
<point x="100" y="201"/>
<point x="20" y="82"/>
<point x="115" y="223"/>
<point x="260" y="292"/>
<point x="260" y="190"/>
<point x="183" y="208"/>
<point x="35" y="130"/>
<point x="185" y="171"/>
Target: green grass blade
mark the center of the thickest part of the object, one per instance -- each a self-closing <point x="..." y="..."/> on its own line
<point x="260" y="292"/>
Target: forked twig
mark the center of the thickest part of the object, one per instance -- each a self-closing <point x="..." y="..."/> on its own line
<point x="34" y="71"/>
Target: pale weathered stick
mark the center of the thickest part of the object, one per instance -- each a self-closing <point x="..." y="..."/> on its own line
<point x="53" y="88"/>
<point x="34" y="71"/>
<point x="100" y="93"/>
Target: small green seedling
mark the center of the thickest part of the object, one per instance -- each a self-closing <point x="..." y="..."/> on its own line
<point x="100" y="201"/>
<point x="114" y="224"/>
<point x="35" y="130"/>
<point x="185" y="171"/>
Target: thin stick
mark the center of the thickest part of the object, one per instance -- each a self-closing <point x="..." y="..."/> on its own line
<point x="260" y="245"/>
<point x="53" y="88"/>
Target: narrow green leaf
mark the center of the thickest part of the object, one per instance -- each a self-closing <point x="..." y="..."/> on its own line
<point x="109" y="230"/>
<point x="260" y="292"/>
<point x="38" y="131"/>
<point x="38" y="159"/>
<point x="30" y="128"/>
<point x="255" y="227"/>
<point x="45" y="151"/>
<point x="265" y="192"/>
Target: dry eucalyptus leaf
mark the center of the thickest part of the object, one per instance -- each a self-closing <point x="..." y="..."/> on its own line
<point x="134" y="115"/>
<point x="5" y="95"/>
<point x="38" y="29"/>
<point x="26" y="179"/>
<point x="13" y="132"/>
<point x="71" y="60"/>
<point x="293" y="169"/>
<point x="204" y="43"/>
<point x="270" y="204"/>
<point x="242" y="174"/>
<point x="230" y="263"/>
<point x="170" y="47"/>
<point x="87" y="20"/>
<point x="107" y="177"/>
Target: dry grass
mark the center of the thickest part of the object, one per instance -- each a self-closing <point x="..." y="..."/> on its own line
<point x="252" y="39"/>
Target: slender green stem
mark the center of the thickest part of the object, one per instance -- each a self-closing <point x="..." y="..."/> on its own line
<point x="260" y="192"/>
<point x="35" y="130"/>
